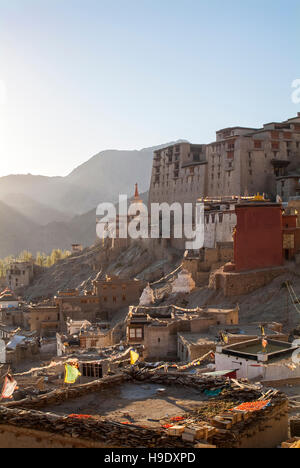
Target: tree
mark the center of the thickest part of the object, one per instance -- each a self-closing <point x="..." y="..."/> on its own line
<point x="25" y="256"/>
<point x="56" y="255"/>
<point x="41" y="259"/>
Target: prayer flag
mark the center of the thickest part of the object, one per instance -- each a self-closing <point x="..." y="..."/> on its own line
<point x="264" y="343"/>
<point x="134" y="357"/>
<point x="10" y="385"/>
<point x="72" y="374"/>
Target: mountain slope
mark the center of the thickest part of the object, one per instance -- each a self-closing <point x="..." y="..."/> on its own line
<point x="15" y="231"/>
<point x="32" y="209"/>
<point x="18" y="232"/>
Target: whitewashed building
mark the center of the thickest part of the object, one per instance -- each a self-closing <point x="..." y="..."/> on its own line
<point x="252" y="361"/>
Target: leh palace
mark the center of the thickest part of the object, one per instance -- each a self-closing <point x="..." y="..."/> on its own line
<point x="146" y="343"/>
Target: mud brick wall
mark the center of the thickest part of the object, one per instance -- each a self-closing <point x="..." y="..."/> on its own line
<point x="264" y="429"/>
<point x="190" y="380"/>
<point x="60" y="395"/>
<point x="236" y="284"/>
<point x="27" y="428"/>
<point x="295" y="427"/>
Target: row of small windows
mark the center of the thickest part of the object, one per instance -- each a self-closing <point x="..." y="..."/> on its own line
<point x="114" y="299"/>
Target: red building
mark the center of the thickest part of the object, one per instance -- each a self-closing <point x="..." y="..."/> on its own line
<point x="258" y="239"/>
<point x="291" y="236"/>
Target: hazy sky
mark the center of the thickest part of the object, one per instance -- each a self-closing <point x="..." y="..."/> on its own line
<point x="81" y="76"/>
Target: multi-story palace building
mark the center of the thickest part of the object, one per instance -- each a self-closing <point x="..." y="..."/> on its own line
<point x="241" y="162"/>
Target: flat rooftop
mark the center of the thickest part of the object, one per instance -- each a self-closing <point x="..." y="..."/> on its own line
<point x="197" y="338"/>
<point x="253" y="350"/>
<point x="141" y="404"/>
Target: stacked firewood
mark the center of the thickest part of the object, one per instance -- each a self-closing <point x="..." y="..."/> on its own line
<point x="108" y="433"/>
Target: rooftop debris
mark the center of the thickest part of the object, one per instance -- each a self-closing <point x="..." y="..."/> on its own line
<point x="218" y="421"/>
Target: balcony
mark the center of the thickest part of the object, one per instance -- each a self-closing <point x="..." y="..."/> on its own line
<point x="280" y="163"/>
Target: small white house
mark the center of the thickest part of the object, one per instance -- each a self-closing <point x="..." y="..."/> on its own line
<point x="74" y="327"/>
<point x="254" y="362"/>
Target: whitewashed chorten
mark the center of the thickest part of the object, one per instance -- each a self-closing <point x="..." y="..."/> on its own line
<point x="147" y="297"/>
<point x="184" y="283"/>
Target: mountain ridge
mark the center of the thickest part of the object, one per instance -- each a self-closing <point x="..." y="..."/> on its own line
<point x="56" y="211"/>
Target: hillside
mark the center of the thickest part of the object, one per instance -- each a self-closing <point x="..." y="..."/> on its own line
<point x="80" y="269"/>
<point x="268" y="303"/>
<point x="35" y="211"/>
<point x="19" y="232"/>
<point x="15" y="230"/>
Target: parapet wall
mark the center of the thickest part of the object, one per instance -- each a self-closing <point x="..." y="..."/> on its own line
<point x="66" y="393"/>
<point x="267" y="429"/>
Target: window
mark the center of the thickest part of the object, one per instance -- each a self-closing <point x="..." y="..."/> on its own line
<point x="92" y="370"/>
<point x="257" y="144"/>
<point x="135" y="333"/>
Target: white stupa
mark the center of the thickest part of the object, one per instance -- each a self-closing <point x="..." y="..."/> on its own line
<point x="184" y="283"/>
<point x="147" y="297"/>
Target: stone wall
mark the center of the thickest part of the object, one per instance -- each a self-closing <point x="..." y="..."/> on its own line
<point x="59" y="395"/>
<point x="236" y="284"/>
<point x="21" y="437"/>
<point x="268" y="430"/>
<point x="208" y="261"/>
<point x="22" y="352"/>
